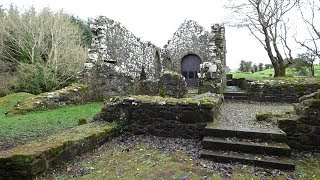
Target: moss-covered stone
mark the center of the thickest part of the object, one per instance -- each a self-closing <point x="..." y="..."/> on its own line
<point x="74" y="94"/>
<point x="263" y="116"/>
<point x="139" y="114"/>
<point x="34" y="157"/>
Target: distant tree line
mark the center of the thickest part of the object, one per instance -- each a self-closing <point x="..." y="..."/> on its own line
<point x="45" y="49"/>
<point x="303" y="65"/>
<point x="248" y="66"/>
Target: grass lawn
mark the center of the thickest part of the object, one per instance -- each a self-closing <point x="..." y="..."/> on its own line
<point x="37" y="125"/>
<point x="268" y="73"/>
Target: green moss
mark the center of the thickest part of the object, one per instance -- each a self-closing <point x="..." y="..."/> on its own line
<point x="162" y="92"/>
<point x="263" y="116"/>
<point x="312" y="103"/>
<point x="54" y="144"/>
<point x="300" y="88"/>
<point x="205" y="100"/>
<point x="33" y="103"/>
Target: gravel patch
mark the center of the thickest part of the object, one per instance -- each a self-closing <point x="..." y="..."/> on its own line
<point x="242" y="113"/>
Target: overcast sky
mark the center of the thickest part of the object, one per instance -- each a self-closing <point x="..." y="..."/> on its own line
<point x="156" y="21"/>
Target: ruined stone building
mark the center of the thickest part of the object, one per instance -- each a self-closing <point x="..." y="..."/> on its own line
<point x="117" y="57"/>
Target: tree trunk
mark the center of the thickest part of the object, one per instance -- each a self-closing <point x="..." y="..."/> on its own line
<point x="312" y="69"/>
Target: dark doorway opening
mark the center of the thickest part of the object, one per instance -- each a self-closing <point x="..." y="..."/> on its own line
<point x="190" y="67"/>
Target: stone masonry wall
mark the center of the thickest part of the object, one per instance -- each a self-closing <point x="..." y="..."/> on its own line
<point x="113" y="43"/>
<point x="159" y="116"/>
<point x="279" y="91"/>
<point x="303" y="126"/>
<point x="210" y="47"/>
<point x="117" y="58"/>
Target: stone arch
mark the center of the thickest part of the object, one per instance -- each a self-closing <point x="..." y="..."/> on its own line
<point x="190" y="67"/>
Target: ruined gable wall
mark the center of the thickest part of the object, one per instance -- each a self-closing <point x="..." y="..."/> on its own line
<point x="115" y="44"/>
<point x="190" y="38"/>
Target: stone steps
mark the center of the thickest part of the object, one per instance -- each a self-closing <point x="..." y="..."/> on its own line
<point x="256" y="146"/>
<point x="258" y="160"/>
<point x="246" y="146"/>
<point x="275" y="135"/>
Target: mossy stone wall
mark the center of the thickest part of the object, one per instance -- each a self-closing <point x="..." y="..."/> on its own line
<point x="279" y="92"/>
<point x="169" y="117"/>
<point x="303" y="129"/>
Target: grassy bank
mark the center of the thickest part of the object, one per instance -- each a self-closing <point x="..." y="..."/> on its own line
<point x="269" y="73"/>
<point x="37" y="125"/>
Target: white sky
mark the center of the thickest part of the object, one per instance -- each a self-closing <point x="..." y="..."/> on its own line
<point x="156" y="21"/>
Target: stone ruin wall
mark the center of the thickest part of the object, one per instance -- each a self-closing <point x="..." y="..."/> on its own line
<point x="191" y="38"/>
<point x="113" y="43"/>
<point x="116" y="56"/>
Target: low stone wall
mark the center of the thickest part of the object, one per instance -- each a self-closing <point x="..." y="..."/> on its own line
<point x="280" y="91"/>
<point x="169" y="117"/>
<point x="303" y="130"/>
<point x="301" y="126"/>
<point x="71" y="95"/>
<point x="29" y="160"/>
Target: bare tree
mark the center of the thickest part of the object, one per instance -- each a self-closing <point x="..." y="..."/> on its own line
<point x="310" y="11"/>
<point x="266" y="20"/>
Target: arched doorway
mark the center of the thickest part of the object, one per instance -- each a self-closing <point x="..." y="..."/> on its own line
<point x="190" y="67"/>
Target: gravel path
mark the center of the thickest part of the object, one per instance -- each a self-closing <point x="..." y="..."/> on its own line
<point x="242" y="113"/>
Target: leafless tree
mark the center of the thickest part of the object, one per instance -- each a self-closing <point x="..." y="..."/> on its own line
<point x="267" y="22"/>
<point x="310" y="11"/>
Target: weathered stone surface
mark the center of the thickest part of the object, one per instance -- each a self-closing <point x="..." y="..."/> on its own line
<point x="263" y="116"/>
<point x="147" y="87"/>
<point x="210" y="47"/>
<point x="113" y="43"/>
<point x="128" y="56"/>
<point x="303" y="131"/>
<point x="26" y="161"/>
<point x="173" y="84"/>
<point x="106" y="80"/>
<point x="74" y="94"/>
<point x="281" y="91"/>
<point x="184" y="117"/>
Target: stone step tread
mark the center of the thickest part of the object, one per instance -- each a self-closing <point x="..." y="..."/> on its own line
<point x="254" y="159"/>
<point x="237" y="97"/>
<point x="235" y="93"/>
<point x="273" y="130"/>
<point x="247" y="142"/>
<point x="268" y="134"/>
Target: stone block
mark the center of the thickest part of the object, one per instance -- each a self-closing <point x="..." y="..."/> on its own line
<point x="304" y="128"/>
<point x="316" y="130"/>
<point x="289" y="126"/>
<point x="173" y="84"/>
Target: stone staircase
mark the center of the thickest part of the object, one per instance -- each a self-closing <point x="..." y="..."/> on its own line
<point x="260" y="147"/>
<point x="234" y="92"/>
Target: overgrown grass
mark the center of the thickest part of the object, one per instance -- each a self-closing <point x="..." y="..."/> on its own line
<point x="308" y="168"/>
<point x="268" y="73"/>
<point x="38" y="125"/>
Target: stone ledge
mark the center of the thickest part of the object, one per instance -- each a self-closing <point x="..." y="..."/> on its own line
<point x="151" y="114"/>
<point x="71" y="95"/>
<point x="28" y="160"/>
